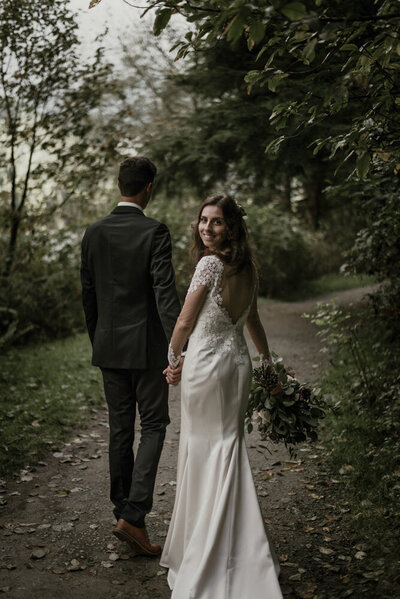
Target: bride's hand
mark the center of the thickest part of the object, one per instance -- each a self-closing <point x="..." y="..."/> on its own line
<point x="173" y="375"/>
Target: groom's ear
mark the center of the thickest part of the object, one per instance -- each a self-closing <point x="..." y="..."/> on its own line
<point x="118" y="185"/>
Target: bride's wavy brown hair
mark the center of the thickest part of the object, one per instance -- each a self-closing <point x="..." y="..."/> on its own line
<point x="236" y="249"/>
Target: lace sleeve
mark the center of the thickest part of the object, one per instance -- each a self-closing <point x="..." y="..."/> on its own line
<point x="173" y="360"/>
<point x="208" y="273"/>
<point x="206" y="279"/>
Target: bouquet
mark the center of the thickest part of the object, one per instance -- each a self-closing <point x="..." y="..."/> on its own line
<point x="283" y="408"/>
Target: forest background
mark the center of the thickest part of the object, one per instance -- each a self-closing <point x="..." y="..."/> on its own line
<point x="292" y="107"/>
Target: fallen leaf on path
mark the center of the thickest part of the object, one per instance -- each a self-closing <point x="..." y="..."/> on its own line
<point x="107" y="564"/>
<point x="5" y="589"/>
<point x="74" y="566"/>
<point x="283" y="558"/>
<point x="360" y="555"/>
<point x="63" y="493"/>
<point x="113" y="557"/>
<point x="59" y="570"/>
<point x="307" y="591"/>
<point x="63" y="527"/>
<point x="326" y="551"/>
<point x="308" y="528"/>
<point x="373" y="575"/>
<point x="39" y="553"/>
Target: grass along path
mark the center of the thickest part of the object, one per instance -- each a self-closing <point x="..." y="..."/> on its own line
<point x="46" y="391"/>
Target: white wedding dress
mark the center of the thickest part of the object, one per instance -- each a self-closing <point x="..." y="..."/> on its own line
<point x="217" y="546"/>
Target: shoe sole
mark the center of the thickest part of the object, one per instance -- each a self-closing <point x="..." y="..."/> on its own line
<point x="134" y="544"/>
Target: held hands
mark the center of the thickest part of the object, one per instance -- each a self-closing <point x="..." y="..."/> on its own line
<point x="173" y="375"/>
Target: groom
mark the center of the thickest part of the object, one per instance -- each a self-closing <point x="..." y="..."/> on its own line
<point x="131" y="305"/>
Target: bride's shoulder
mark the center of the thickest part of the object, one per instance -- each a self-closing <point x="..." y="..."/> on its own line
<point x="211" y="267"/>
<point x="210" y="262"/>
<point x="208" y="272"/>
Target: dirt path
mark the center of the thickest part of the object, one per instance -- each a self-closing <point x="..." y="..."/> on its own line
<point x="55" y="523"/>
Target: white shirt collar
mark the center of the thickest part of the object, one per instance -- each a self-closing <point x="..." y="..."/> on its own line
<point x="132" y="204"/>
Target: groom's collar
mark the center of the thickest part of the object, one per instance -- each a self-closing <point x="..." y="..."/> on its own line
<point x="131" y="204"/>
<point x="123" y="208"/>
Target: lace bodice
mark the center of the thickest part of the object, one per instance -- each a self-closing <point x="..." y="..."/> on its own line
<point x="214" y="328"/>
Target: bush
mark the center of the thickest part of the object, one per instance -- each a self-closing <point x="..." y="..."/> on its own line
<point x="287" y="254"/>
<point x="362" y="443"/>
<point x="41" y="297"/>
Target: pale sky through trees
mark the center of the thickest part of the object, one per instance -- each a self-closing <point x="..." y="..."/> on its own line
<point x="120" y="19"/>
<point x="123" y="22"/>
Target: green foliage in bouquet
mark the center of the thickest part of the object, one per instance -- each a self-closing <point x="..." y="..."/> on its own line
<point x="283" y="408"/>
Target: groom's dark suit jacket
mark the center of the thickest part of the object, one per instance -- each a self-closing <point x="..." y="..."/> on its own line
<point x="128" y="290"/>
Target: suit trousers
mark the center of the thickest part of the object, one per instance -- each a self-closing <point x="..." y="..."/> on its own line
<point x="133" y="478"/>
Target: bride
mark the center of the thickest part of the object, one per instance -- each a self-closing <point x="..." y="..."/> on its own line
<point x="217" y="546"/>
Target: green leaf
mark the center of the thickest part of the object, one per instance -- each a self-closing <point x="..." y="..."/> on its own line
<point x="349" y="48"/>
<point x="363" y="162"/>
<point x="161" y="20"/>
<point x="235" y="28"/>
<point x="257" y="31"/>
<point x="288" y="402"/>
<point x="274" y="145"/>
<point x="309" y="50"/>
<point x="252" y="77"/>
<point x="294" y="11"/>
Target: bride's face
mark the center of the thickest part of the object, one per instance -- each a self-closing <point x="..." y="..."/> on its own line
<point x="212" y="227"/>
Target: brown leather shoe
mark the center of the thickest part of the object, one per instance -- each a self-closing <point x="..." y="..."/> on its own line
<point x="136" y="537"/>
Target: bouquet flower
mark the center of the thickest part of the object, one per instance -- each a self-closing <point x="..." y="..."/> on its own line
<point x="283" y="408"/>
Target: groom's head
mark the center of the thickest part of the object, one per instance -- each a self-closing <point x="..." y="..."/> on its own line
<point x="135" y="178"/>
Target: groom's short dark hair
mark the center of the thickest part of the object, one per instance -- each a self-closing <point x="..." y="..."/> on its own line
<point x="134" y="174"/>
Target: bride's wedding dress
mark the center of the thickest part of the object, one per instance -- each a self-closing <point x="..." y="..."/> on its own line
<point x="217" y="547"/>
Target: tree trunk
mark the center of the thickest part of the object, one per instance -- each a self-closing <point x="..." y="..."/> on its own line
<point x="14" y="228"/>
<point x="313" y="187"/>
